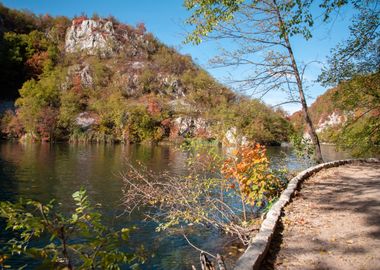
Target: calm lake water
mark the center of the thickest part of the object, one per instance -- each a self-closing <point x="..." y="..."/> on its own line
<point x="45" y="172"/>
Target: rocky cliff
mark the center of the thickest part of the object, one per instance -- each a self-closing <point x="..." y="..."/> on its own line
<point x="324" y="114"/>
<point x="90" y="36"/>
<point x="96" y="79"/>
<point x="135" y="75"/>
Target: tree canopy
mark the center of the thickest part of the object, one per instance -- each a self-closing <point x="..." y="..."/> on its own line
<point x="354" y="67"/>
<point x="261" y="32"/>
<point x="360" y="53"/>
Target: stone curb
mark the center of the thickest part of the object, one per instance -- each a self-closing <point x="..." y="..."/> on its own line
<point x="258" y="248"/>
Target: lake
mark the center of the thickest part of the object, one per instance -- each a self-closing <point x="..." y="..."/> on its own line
<point x="44" y="172"/>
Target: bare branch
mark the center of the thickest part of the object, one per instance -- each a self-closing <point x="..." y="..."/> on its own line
<point x="197" y="248"/>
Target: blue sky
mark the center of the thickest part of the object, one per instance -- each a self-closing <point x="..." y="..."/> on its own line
<point x="165" y="19"/>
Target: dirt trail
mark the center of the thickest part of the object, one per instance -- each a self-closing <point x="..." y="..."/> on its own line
<point x="332" y="223"/>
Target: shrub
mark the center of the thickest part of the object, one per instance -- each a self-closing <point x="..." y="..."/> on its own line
<point x="32" y="220"/>
<point x="148" y="82"/>
<point x="226" y="194"/>
<point x="140" y="125"/>
<point x="47" y="123"/>
<point x="112" y="111"/>
<point x="250" y="175"/>
<point x="70" y="107"/>
<point x="11" y="125"/>
<point x="168" y="60"/>
<point x="35" y="97"/>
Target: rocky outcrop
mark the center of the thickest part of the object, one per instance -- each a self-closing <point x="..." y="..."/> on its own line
<point x="91" y="36"/>
<point x="233" y="138"/>
<point x="334" y="119"/>
<point x="325" y="115"/>
<point x="136" y="65"/>
<point x="86" y="119"/>
<point x="190" y="126"/>
<point x="132" y="84"/>
<point x="101" y="37"/>
<point x="81" y="73"/>
<point x="172" y="86"/>
<point x="128" y="83"/>
<point x="86" y="77"/>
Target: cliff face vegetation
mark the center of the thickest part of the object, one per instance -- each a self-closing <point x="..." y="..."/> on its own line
<point x="96" y="79"/>
<point x="324" y="114"/>
<point x="348" y="115"/>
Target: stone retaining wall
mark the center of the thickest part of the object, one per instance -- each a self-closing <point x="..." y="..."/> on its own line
<point x="258" y="248"/>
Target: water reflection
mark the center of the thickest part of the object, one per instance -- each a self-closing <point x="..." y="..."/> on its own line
<point x="45" y="172"/>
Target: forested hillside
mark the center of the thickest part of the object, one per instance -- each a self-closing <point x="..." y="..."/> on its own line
<point x="324" y="114"/>
<point x="96" y="79"/>
<point x="348" y="115"/>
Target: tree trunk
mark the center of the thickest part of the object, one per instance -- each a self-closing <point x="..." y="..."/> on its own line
<point x="309" y="123"/>
<point x="306" y="115"/>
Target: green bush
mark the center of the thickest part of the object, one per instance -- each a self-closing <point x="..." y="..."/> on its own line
<point x="37" y="96"/>
<point x="32" y="220"/>
<point x="168" y="60"/>
<point x="140" y="126"/>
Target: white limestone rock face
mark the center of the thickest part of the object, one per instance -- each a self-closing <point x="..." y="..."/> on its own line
<point x="171" y="85"/>
<point x="332" y="120"/>
<point x="86" y="77"/>
<point x="85" y="120"/>
<point x="91" y="36"/>
<point x="83" y="71"/>
<point x="190" y="126"/>
<point x="233" y="138"/>
<point x="174" y="86"/>
<point x="128" y="82"/>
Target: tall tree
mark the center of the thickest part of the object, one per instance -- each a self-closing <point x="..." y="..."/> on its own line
<point x="261" y="33"/>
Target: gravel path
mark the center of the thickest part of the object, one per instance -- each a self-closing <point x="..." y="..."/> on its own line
<point x="332" y="223"/>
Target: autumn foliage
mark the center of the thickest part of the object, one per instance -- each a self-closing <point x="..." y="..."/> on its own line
<point x="225" y="193"/>
<point x="138" y="93"/>
<point x="249" y="173"/>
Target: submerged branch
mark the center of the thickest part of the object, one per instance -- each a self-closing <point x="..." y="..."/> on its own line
<point x="197" y="248"/>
